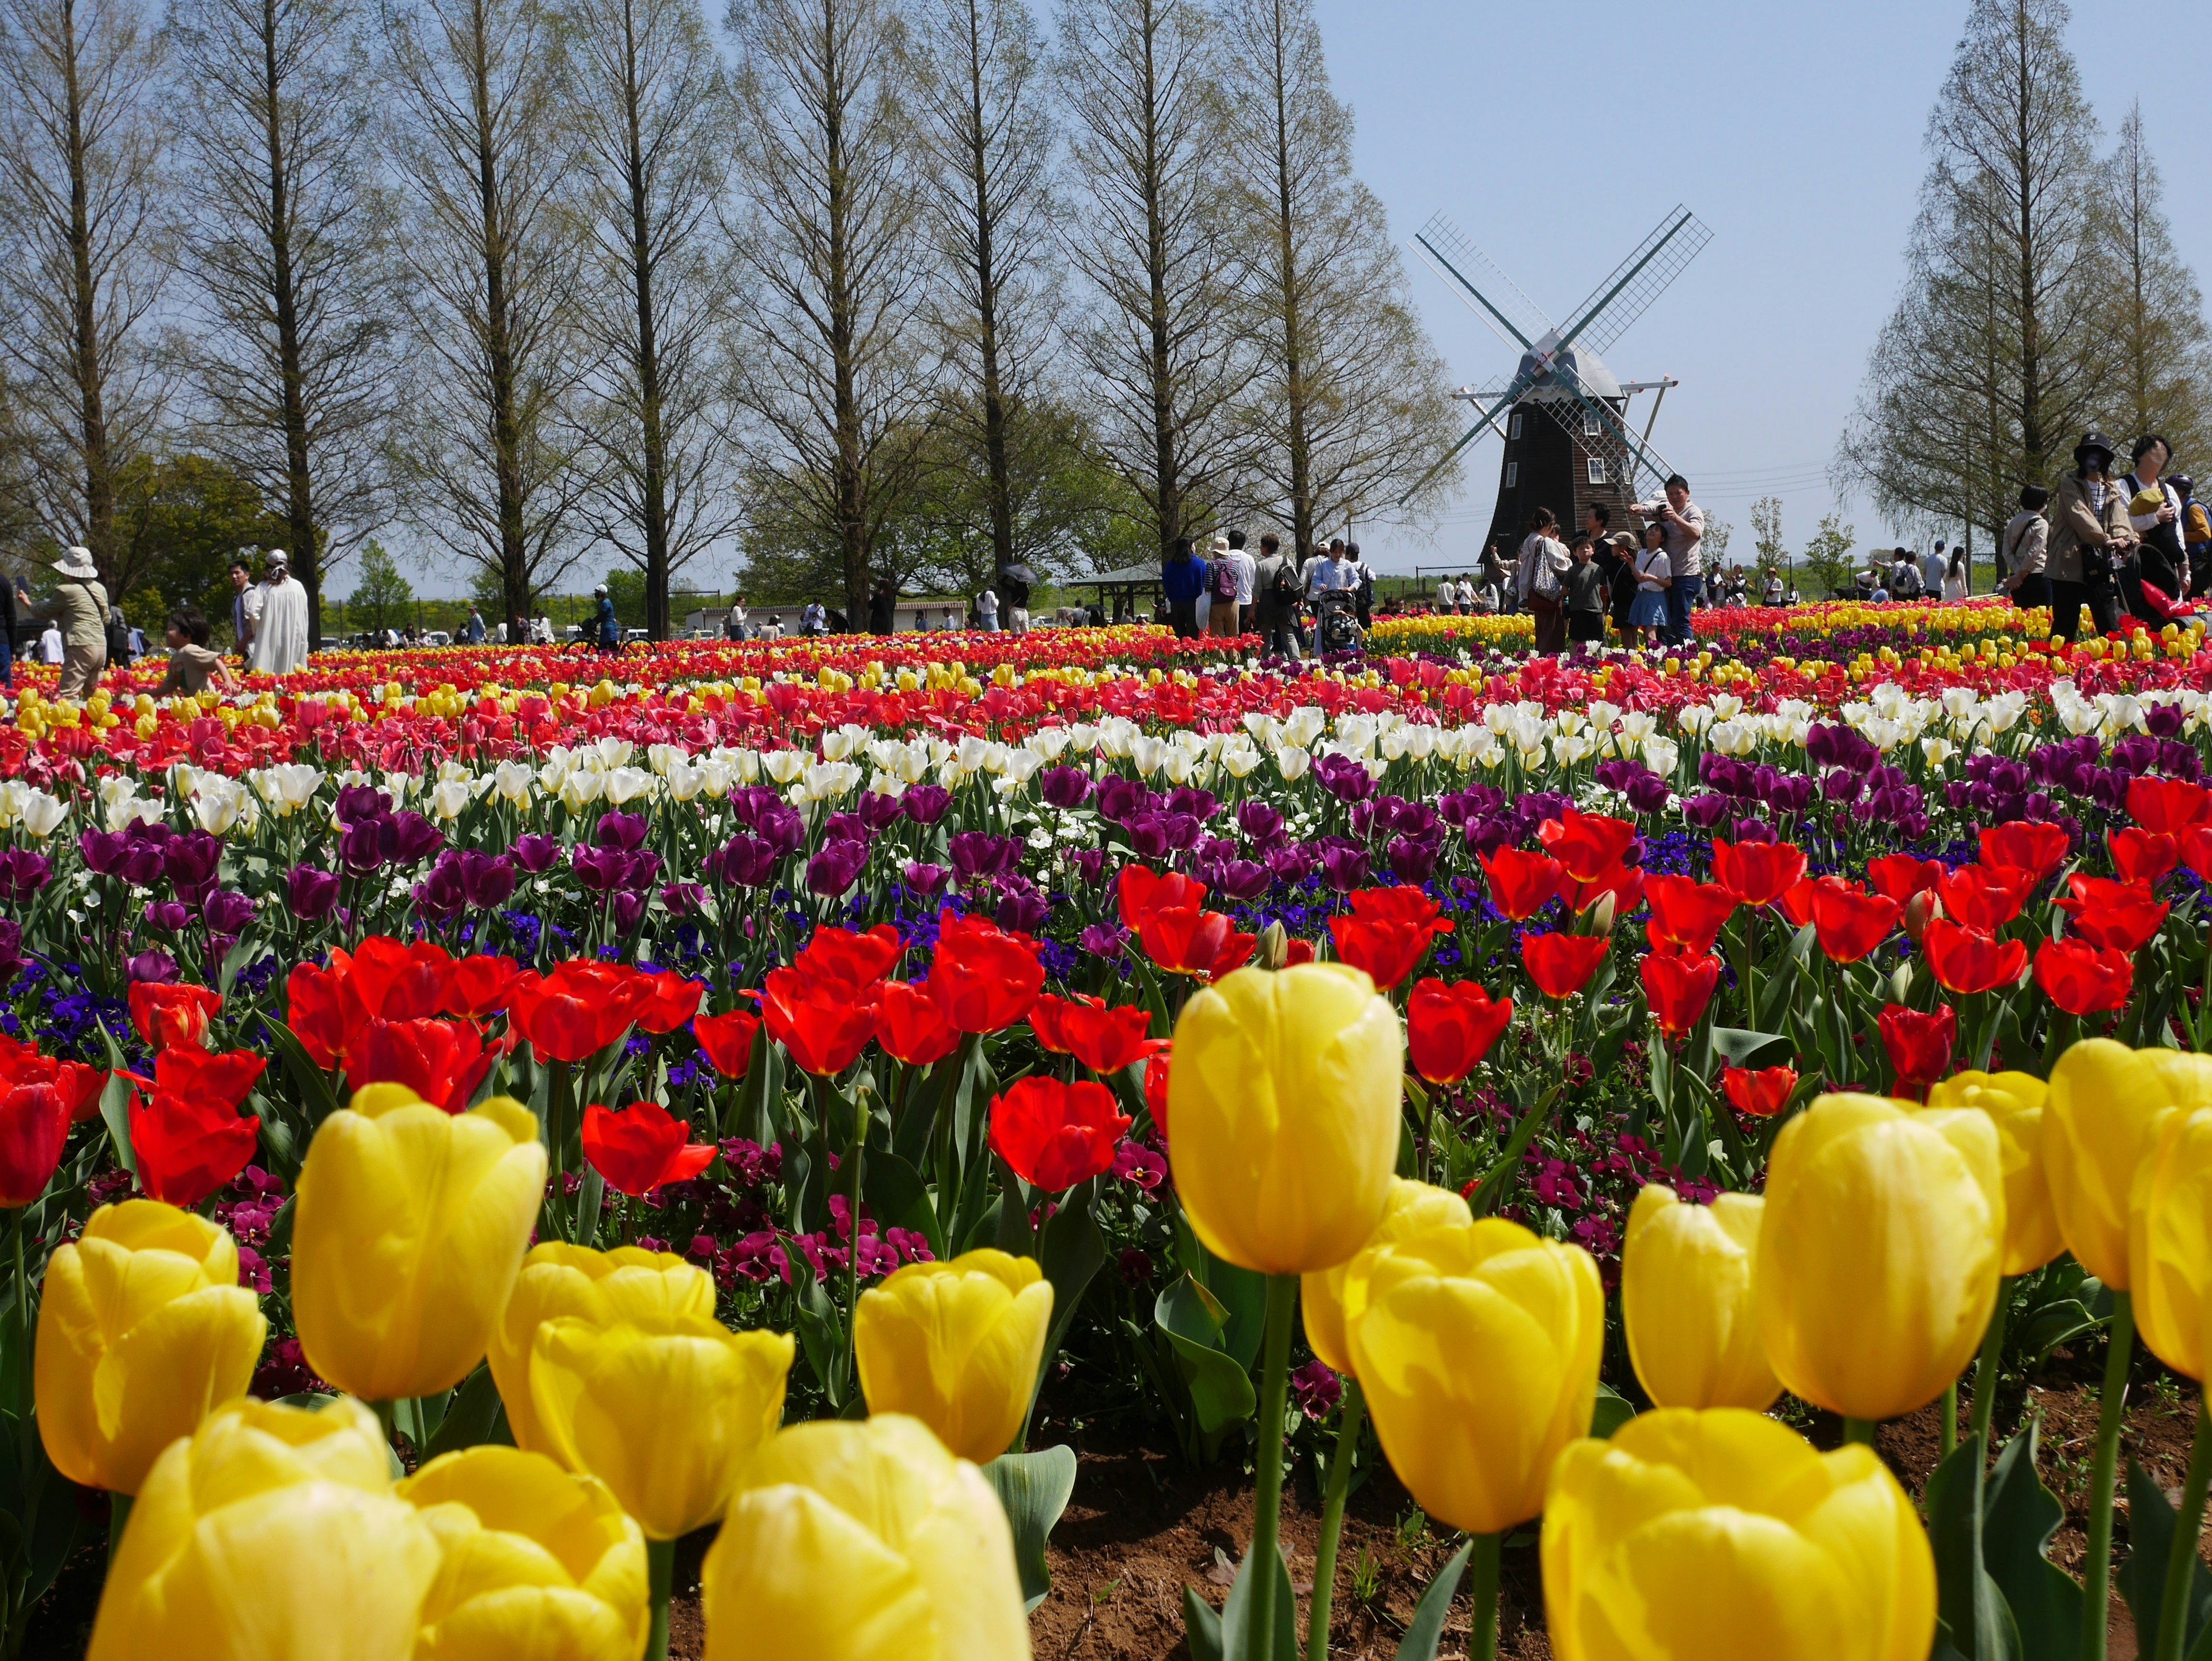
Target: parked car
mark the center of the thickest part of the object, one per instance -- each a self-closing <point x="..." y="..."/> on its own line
<point x="437" y="637"/>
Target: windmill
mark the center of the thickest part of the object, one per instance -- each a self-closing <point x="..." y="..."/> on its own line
<point x="1583" y="450"/>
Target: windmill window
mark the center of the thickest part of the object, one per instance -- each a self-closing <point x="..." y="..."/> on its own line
<point x="1513" y="426"/>
<point x="1596" y="471"/>
<point x="1589" y="423"/>
<point x="1513" y="471"/>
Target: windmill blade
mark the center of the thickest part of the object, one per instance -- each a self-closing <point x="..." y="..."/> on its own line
<point x="1634" y="461"/>
<point x="1521" y="384"/>
<point x="1628" y="292"/>
<point x="1447" y="250"/>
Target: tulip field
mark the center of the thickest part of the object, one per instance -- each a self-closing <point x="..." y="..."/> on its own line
<point x="478" y="1121"/>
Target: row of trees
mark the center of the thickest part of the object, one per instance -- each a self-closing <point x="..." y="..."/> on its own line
<point x="863" y="289"/>
<point x="2042" y="296"/>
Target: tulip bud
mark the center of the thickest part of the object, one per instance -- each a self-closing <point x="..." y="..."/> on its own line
<point x="1284" y="1099"/>
<point x="2014" y="1102"/>
<point x="1686" y="1299"/>
<point x="537" y="1565"/>
<point x="2099" y="1124"/>
<point x="1878" y="1255"/>
<point x="1478" y="1350"/>
<point x="1412" y="1207"/>
<point x="269" y="1534"/>
<point x="558" y="1279"/>
<point x="1919" y="911"/>
<point x="1598" y="920"/>
<point x="143" y="1330"/>
<point x="957" y="1345"/>
<point x="1274" y="949"/>
<point x="409" y="1230"/>
<point x="665" y="1409"/>
<point x="1724" y="1533"/>
<point x="863" y="1541"/>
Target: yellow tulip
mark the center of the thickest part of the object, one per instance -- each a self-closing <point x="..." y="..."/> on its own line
<point x="1725" y="1536"/>
<point x="537" y="1565"/>
<point x="665" y="1409"/>
<point x="863" y="1541"/>
<point x="270" y="1534"/>
<point x="1477" y="1348"/>
<point x="1878" y="1255"/>
<point x="1412" y="1207"/>
<point x="558" y="1279"/>
<point x="410" y="1227"/>
<point x="2170" y="1242"/>
<point x="1685" y="1298"/>
<point x="2014" y="1102"/>
<point x="143" y="1330"/>
<point x="2100" y="1122"/>
<point x="1283" y="1100"/>
<point x="957" y="1345"/>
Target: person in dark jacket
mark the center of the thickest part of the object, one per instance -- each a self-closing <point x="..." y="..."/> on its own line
<point x="606" y="633"/>
<point x="1183" y="575"/>
<point x="883" y="608"/>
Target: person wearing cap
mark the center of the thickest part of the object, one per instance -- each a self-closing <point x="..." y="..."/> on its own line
<point x="607" y="632"/>
<point x="280" y="629"/>
<point x="78" y="608"/>
<point x="2089" y="535"/>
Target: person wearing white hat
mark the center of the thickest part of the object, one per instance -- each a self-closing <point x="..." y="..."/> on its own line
<point x="79" y="608"/>
<point x="280" y="633"/>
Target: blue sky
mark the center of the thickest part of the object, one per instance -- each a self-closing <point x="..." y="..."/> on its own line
<point x="1556" y="136"/>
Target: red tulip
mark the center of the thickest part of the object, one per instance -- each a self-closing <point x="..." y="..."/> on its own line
<point x="1797" y="904"/>
<point x="575" y="1012"/>
<point x="1387" y="932"/>
<point x="1686" y="913"/>
<point x="2168" y="807"/>
<point x="1678" y="986"/>
<point x="1919" y="1045"/>
<point x="911" y="1027"/>
<point x="1762" y="1094"/>
<point x="666" y="1001"/>
<point x="2081" y="978"/>
<point x="166" y="1015"/>
<point x="1140" y="892"/>
<point x="2121" y="915"/>
<point x="1449" y="1028"/>
<point x="480" y="986"/>
<point x="823" y="1026"/>
<point x="1156" y="1086"/>
<point x="1968" y="960"/>
<point x="641" y="1147"/>
<point x="842" y="958"/>
<point x="1624" y="882"/>
<point x="983" y="978"/>
<point x="34" y="1121"/>
<point x="2038" y="849"/>
<point x="1522" y="884"/>
<point x="442" y="1062"/>
<point x="401" y="982"/>
<point x="1984" y="897"/>
<point x="225" y="1077"/>
<point x="1757" y="873"/>
<point x="323" y="1010"/>
<point x="1103" y="1038"/>
<point x="1848" y="922"/>
<point x="1586" y="845"/>
<point x="188" y="1147"/>
<point x="1184" y="940"/>
<point x="1053" y="1135"/>
<point x="1561" y="964"/>
<point x="2197" y="850"/>
<point x="1900" y="876"/>
<point x="2142" y="855"/>
<point x="80" y="1086"/>
<point x="727" y="1040"/>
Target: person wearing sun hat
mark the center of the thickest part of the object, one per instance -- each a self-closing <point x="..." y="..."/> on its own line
<point x="78" y="607"/>
<point x="2090" y="537"/>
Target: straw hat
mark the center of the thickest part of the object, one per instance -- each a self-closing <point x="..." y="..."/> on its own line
<point x="77" y="564"/>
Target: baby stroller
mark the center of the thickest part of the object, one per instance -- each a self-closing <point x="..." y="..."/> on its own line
<point x="1336" y="621"/>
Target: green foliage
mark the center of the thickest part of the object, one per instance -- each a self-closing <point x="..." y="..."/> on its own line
<point x="178" y="525"/>
<point x="1828" y="555"/>
<point x="382" y="597"/>
<point x="626" y="587"/>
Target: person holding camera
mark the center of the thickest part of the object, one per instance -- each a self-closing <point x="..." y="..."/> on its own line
<point x="2090" y="539"/>
<point x="1681" y="525"/>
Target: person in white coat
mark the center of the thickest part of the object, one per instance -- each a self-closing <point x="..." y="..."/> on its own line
<point x="280" y="635"/>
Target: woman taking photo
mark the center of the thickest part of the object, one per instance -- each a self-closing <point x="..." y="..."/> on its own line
<point x="1654" y="576"/>
<point x="2090" y="540"/>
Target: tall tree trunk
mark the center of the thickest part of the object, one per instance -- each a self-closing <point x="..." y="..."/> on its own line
<point x="499" y="349"/>
<point x="988" y="279"/>
<point x="648" y="350"/>
<point x="2035" y="443"/>
<point x="1294" y="381"/>
<point x="299" y="512"/>
<point x="98" y="464"/>
<point x="850" y="483"/>
<point x="1167" y="473"/>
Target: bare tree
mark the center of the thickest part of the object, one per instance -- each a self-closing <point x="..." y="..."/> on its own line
<point x="294" y="365"/>
<point x="990" y="143"/>
<point x="656" y="123"/>
<point x="1154" y="237"/>
<point x="837" y="376"/>
<point x="2157" y="311"/>
<point x="484" y="159"/>
<point x="1351" y="402"/>
<point x="81" y="270"/>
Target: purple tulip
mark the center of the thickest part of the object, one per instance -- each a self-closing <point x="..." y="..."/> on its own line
<point x="169" y="915"/>
<point x="1090" y="865"/>
<point x="191" y="862"/>
<point x="1065" y="787"/>
<point x="1412" y="861"/>
<point x="1841" y="785"/>
<point x="743" y="860"/>
<point x="846" y="827"/>
<point x="1345" y="777"/>
<point x="1122" y="800"/>
<point x="1103" y="939"/>
<point x="832" y="871"/>
<point x="103" y="851"/>
<point x="536" y="854"/>
<point x="1182" y="830"/>
<point x="358" y="803"/>
<point x="408" y="838"/>
<point x="487" y="879"/>
<point x="1188" y="799"/>
<point x="1242" y="880"/>
<point x="310" y="892"/>
<point x="23" y="874"/>
<point x="879" y="811"/>
<point x="143" y="864"/>
<point x="12" y="960"/>
<point x="925" y="804"/>
<point x="361" y="845"/>
<point x="629" y="909"/>
<point x="926" y="880"/>
<point x="157" y="966"/>
<point x="623" y="830"/>
<point x="441" y="896"/>
<point x="227" y="911"/>
<point x="1148" y="836"/>
<point x="682" y="898"/>
<point x="978" y="853"/>
<point x="1753" y="831"/>
<point x="1022" y="909"/>
<point x="1258" y="821"/>
<point x="1292" y="862"/>
<point x="1344" y="868"/>
<point x="1704" y="812"/>
<point x="780" y="828"/>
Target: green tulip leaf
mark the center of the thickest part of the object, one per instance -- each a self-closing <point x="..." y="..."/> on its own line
<point x="1426" y="1629"/>
<point x="1740" y="1048"/>
<point x="1241" y="1292"/>
<point x="1191" y="1319"/>
<point x="1237" y="1644"/>
<point x="2019" y="1518"/>
<point x="1070" y="1251"/>
<point x="1202" y="1625"/>
<point x="1970" y="1607"/>
<point x="310" y="1080"/>
<point x="2142" y="1579"/>
<point x="899" y="1198"/>
<point x="472" y="1417"/>
<point x="1035" y="1488"/>
<point x="1610" y="1411"/>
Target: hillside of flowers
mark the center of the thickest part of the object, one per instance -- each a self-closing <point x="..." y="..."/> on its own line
<point x="475" y="1118"/>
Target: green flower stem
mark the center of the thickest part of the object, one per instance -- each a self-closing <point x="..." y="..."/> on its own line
<point x="660" y="1582"/>
<point x="118" y="1515"/>
<point x="1482" y="1563"/>
<point x="1860" y="1431"/>
<point x="2180" y="1557"/>
<point x="2111" y="1408"/>
<point x="1985" y="1370"/>
<point x="1267" y="1512"/>
<point x="1331" y="1519"/>
<point x="1948" y="1434"/>
<point x="387" y="1416"/>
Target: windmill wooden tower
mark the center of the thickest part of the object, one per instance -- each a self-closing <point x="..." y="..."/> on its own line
<point x="1564" y="414"/>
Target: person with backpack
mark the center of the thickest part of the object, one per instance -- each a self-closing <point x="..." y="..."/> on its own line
<point x="1275" y="599"/>
<point x="1221" y="616"/>
<point x="1536" y="585"/>
<point x="78" y="607"/>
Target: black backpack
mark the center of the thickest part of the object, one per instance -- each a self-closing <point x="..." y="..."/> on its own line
<point x="1283" y="587"/>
